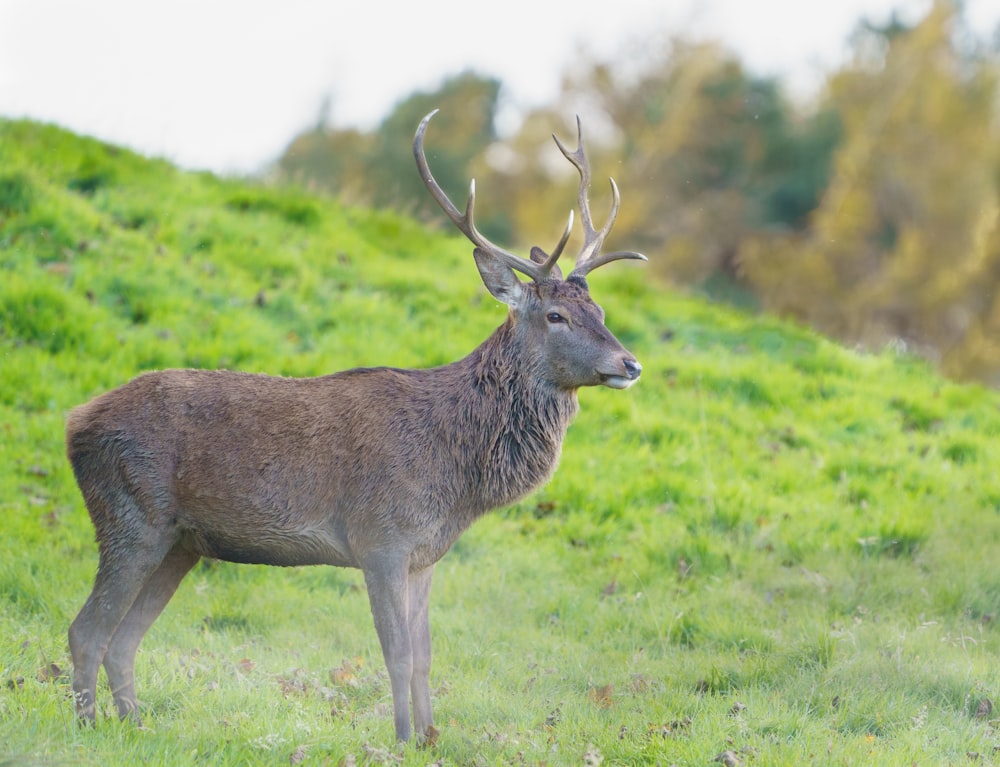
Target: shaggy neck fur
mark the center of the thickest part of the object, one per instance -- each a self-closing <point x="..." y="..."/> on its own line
<point x="516" y="421"/>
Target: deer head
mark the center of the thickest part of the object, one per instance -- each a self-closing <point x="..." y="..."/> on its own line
<point x="556" y="318"/>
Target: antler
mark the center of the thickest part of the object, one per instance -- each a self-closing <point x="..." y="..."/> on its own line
<point x="590" y="258"/>
<point x="537" y="271"/>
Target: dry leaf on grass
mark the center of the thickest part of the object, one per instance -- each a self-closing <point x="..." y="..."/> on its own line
<point x="670" y="729"/>
<point x="347" y="673"/>
<point x="602" y="696"/>
<point x="728" y="759"/>
<point x="592" y="757"/>
<point x="49" y="673"/>
<point x="431" y="735"/>
<point x="984" y="708"/>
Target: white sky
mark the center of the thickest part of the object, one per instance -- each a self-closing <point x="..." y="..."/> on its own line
<point x="225" y="84"/>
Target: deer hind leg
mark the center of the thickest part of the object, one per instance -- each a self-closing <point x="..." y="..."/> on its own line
<point x="420" y="641"/>
<point x="127" y="560"/>
<point x="119" y="659"/>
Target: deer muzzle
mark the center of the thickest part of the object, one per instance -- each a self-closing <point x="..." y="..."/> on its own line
<point x="632" y="372"/>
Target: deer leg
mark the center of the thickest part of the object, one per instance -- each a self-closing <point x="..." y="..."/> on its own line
<point x="420" y="641"/>
<point x="119" y="659"/>
<point x="386" y="576"/>
<point x="122" y="571"/>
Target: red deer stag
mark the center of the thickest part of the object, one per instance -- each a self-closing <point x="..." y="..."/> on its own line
<point x="375" y="468"/>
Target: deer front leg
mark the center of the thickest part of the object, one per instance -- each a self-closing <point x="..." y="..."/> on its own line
<point x="386" y="576"/>
<point x="420" y="641"/>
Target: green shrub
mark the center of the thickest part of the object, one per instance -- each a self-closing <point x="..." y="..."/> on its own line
<point x="17" y="194"/>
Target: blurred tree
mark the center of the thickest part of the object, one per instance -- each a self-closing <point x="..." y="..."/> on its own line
<point x="873" y="216"/>
<point x="896" y="248"/>
<point x="703" y="152"/>
<point x="462" y="131"/>
<point x="333" y="160"/>
<point x="377" y="169"/>
<point x="978" y="353"/>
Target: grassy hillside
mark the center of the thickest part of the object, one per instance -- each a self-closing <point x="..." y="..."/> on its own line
<point x="771" y="546"/>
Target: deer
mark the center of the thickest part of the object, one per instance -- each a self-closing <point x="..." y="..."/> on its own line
<point x="379" y="468"/>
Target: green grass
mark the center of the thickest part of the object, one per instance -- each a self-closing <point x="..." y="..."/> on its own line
<point x="772" y="545"/>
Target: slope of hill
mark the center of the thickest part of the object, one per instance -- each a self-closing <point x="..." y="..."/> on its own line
<point x="771" y="546"/>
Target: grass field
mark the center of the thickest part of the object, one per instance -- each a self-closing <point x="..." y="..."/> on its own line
<point x="771" y="551"/>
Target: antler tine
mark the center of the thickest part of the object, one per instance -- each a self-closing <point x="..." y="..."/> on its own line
<point x="548" y="266"/>
<point x="593" y="239"/>
<point x="563" y="240"/>
<point x="466" y="222"/>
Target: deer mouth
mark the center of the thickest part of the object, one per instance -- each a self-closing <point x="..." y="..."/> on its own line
<point x="617" y="381"/>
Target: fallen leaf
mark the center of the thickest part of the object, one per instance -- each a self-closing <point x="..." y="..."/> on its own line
<point x="544" y="508"/>
<point x="602" y="696"/>
<point x="552" y="719"/>
<point x="342" y="676"/>
<point x="683" y="568"/>
<point x="245" y="665"/>
<point x="375" y="755"/>
<point x="431" y="735"/>
<point x="49" y="673"/>
<point x="291" y="685"/>
<point x="59" y="267"/>
<point x="347" y="673"/>
<point x="592" y="757"/>
<point x="669" y="729"/>
<point x="640" y="683"/>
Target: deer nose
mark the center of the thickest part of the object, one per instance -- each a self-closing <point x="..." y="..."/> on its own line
<point x="633" y="369"/>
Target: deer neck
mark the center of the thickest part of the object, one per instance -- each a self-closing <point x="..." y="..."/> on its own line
<point x="519" y="420"/>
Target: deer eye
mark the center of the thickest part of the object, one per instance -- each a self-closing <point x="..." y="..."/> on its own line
<point x="555" y="318"/>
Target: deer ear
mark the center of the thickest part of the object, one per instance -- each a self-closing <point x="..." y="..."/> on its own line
<point x="498" y="278"/>
<point x="539" y="256"/>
